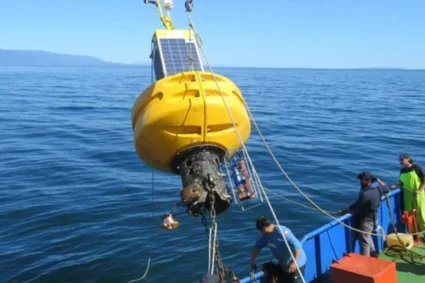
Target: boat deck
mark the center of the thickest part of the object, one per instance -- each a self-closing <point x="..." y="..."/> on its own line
<point x="408" y="270"/>
<point x="330" y="242"/>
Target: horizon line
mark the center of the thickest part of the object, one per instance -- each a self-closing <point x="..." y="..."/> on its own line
<point x="148" y="64"/>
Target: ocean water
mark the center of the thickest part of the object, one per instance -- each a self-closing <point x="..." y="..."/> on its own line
<point x="78" y="205"/>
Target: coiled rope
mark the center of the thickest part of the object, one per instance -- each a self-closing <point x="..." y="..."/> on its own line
<point x="401" y="250"/>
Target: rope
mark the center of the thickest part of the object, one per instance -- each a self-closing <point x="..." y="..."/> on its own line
<point x="401" y="250"/>
<point x="299" y="190"/>
<point x="294" y="202"/>
<point x="213" y="257"/>
<point x="209" y="251"/>
<point x="144" y="275"/>
<point x="213" y="241"/>
<point x="249" y="159"/>
<point x="284" y="172"/>
<point x="153" y="222"/>
<point x="152" y="182"/>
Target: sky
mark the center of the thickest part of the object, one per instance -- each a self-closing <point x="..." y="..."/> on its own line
<point x="246" y="33"/>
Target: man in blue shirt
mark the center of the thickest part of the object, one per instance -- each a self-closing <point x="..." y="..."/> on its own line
<point x="272" y="238"/>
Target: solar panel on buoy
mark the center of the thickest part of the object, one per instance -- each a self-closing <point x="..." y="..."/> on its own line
<point x="175" y="52"/>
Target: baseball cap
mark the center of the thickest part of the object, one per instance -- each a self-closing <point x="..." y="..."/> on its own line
<point x="365" y="176"/>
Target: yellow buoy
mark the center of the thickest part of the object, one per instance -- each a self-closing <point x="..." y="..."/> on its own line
<point x="189" y="120"/>
<point x="186" y="110"/>
<point x="405" y="239"/>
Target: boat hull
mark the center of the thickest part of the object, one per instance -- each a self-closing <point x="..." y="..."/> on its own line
<point x="330" y="242"/>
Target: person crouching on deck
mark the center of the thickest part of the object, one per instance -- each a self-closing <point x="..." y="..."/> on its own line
<point x="412" y="181"/>
<point x="365" y="210"/>
<point x="272" y="238"/>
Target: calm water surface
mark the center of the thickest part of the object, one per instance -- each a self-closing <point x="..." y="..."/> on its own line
<point x="76" y="201"/>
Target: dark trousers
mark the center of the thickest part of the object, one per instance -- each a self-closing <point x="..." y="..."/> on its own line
<point x="275" y="274"/>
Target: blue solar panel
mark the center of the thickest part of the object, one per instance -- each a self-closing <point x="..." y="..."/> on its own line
<point x="176" y="53"/>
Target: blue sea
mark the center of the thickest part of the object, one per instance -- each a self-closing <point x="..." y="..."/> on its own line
<point x="78" y="205"/>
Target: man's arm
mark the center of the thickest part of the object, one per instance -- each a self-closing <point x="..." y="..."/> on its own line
<point x="358" y="204"/>
<point x="295" y="246"/>
<point x="383" y="187"/>
<point x="256" y="251"/>
<point x="254" y="254"/>
<point x="292" y="266"/>
<point x="354" y="207"/>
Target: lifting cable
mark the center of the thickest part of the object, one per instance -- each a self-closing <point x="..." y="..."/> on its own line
<point x="299" y="190"/>
<point x="317" y="207"/>
<point x="249" y="158"/>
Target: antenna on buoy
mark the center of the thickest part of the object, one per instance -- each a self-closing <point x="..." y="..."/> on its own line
<point x="168" y="5"/>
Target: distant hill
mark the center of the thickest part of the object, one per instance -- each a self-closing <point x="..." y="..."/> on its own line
<point x="45" y="58"/>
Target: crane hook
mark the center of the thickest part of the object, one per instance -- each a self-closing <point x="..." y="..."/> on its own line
<point x="188" y="5"/>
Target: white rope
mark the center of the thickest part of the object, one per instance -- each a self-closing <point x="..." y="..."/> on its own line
<point x="293" y="202"/>
<point x="249" y="158"/>
<point x="301" y="192"/>
<point x="153" y="222"/>
<point x="213" y="249"/>
<point x="144" y="275"/>
<point x="209" y="251"/>
<point x="380" y="228"/>
<point x="276" y="161"/>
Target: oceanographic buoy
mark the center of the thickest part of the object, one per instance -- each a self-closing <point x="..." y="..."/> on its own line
<point x="180" y="122"/>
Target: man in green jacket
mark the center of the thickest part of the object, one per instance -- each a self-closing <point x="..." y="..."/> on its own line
<point x="412" y="181"/>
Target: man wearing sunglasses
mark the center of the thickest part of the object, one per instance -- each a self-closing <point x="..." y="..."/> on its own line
<point x="271" y="236"/>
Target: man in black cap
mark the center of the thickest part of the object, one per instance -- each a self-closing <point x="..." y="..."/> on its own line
<point x="365" y="210"/>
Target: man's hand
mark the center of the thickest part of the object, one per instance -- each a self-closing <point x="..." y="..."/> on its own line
<point x="393" y="187"/>
<point x="380" y="182"/>
<point x="342" y="211"/>
<point x="292" y="267"/>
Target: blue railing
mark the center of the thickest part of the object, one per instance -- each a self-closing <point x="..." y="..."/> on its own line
<point x="330" y="242"/>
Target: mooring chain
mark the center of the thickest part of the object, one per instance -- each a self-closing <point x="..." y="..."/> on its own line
<point x="204" y="223"/>
<point x="222" y="268"/>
